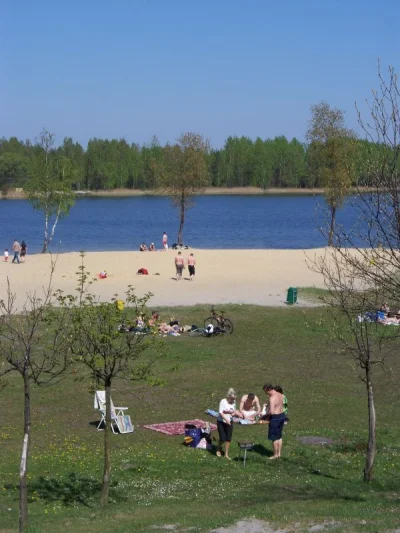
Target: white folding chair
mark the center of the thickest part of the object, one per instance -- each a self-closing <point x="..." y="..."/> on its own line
<point x="118" y="416"/>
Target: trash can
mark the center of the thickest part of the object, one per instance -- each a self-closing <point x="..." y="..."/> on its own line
<point x="291" y="295"/>
<point x="120" y="305"/>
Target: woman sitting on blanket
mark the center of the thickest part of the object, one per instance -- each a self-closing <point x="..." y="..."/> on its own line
<point x="249" y="407"/>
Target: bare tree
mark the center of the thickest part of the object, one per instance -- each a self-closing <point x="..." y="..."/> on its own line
<point x="362" y="268"/>
<point x="33" y="344"/>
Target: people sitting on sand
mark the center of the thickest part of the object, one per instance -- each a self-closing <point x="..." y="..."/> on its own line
<point x="152" y="248"/>
<point x="249" y="407"/>
<point x="143" y="247"/>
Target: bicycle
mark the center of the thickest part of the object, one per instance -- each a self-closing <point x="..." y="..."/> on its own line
<point x="219" y="321"/>
<point x="205" y="332"/>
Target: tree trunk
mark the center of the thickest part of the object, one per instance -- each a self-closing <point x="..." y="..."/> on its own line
<point x="46" y="234"/>
<point x="53" y="229"/>
<point x="332" y="228"/>
<point x="182" y="221"/>
<point x="369" y="464"/>
<point x="23" y="469"/>
<point x="105" y="489"/>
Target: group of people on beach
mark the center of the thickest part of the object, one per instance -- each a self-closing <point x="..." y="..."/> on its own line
<point x="19" y="252"/>
<point x="152" y="248"/>
<point x="274" y="413"/>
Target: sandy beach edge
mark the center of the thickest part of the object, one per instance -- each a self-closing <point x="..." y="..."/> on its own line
<point x="259" y="277"/>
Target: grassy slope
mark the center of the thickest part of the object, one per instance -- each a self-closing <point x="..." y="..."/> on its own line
<point x="158" y="481"/>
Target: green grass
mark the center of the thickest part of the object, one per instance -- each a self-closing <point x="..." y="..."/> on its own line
<point x="157" y="481"/>
<point x="312" y="294"/>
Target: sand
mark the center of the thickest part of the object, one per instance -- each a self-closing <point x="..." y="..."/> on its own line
<point x="259" y="277"/>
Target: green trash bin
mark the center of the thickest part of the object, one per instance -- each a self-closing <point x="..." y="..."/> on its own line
<point x="291" y="295"/>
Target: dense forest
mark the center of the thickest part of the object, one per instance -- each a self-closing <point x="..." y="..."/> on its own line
<point x="109" y="164"/>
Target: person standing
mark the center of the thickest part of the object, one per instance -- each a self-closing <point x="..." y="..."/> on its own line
<point x="227" y="408"/>
<point x="179" y="265"/>
<point x="165" y="241"/>
<point x="191" y="266"/>
<point x="16" y="249"/>
<point x="277" y="419"/>
<point x="24" y="249"/>
<point x="6" y="254"/>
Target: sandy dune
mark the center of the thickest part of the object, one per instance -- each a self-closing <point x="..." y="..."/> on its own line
<point x="222" y="276"/>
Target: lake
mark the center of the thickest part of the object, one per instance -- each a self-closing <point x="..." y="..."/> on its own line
<point x="281" y="222"/>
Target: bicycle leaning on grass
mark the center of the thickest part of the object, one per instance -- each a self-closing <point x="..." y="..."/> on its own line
<point x="218" y="320"/>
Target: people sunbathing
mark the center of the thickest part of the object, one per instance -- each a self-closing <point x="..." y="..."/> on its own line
<point x="167" y="329"/>
<point x="152" y="248"/>
<point x="143" y="247"/>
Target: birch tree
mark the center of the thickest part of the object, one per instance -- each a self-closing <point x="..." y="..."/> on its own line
<point x="49" y="189"/>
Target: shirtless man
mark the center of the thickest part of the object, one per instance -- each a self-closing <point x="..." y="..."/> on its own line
<point x="249" y="406"/>
<point x="179" y="265"/>
<point x="277" y="419"/>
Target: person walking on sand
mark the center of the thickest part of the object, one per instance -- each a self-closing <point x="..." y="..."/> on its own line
<point x="277" y="419"/>
<point x="165" y="241"/>
<point x="191" y="266"/>
<point x="16" y="249"/>
<point x="179" y="265"/>
<point x="6" y="254"/>
<point x="24" y="249"/>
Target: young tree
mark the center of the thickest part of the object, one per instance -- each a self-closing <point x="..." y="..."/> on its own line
<point x="97" y="342"/>
<point x="33" y="344"/>
<point x="49" y="188"/>
<point x="362" y="268"/>
<point x="184" y="172"/>
<point x="331" y="156"/>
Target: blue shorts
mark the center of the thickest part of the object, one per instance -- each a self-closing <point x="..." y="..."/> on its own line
<point x="276" y="426"/>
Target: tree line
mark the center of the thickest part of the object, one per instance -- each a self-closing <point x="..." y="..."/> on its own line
<point x="242" y="162"/>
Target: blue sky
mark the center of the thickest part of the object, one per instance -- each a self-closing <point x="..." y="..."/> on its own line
<point x="137" y="68"/>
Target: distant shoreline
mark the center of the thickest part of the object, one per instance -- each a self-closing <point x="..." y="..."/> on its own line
<point x="209" y="191"/>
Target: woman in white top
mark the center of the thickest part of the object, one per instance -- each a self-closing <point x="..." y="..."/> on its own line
<point x="227" y="408"/>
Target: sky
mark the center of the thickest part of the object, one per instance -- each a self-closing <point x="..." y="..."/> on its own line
<point x="138" y="68"/>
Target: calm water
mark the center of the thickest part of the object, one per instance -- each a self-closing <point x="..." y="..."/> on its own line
<point x="213" y="222"/>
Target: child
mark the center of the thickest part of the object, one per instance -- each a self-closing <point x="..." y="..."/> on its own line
<point x="6" y="255"/>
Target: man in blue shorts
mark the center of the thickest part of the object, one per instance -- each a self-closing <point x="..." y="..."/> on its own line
<point x="277" y="419"/>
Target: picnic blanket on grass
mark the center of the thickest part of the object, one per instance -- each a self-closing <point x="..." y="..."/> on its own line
<point x="178" y="428"/>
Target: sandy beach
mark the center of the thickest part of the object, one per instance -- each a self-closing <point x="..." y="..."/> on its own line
<point x="259" y="277"/>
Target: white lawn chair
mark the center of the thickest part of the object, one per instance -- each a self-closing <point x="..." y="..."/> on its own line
<point x="118" y="417"/>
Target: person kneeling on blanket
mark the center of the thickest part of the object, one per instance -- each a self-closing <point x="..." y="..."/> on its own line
<point x="227" y="409"/>
<point x="250" y="407"/>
